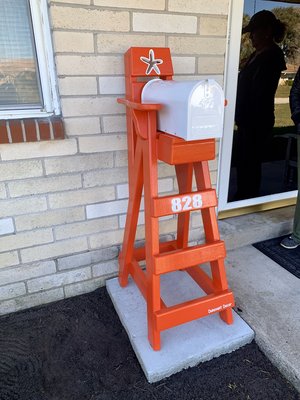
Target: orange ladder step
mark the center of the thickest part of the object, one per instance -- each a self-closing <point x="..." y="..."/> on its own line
<point x="180" y="203"/>
<point x="184" y="258"/>
<point x="193" y="309"/>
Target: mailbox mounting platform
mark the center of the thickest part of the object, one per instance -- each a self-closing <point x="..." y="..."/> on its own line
<point x="146" y="146"/>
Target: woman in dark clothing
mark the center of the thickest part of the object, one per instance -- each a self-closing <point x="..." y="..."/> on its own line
<point x="257" y="84"/>
<point x="293" y="241"/>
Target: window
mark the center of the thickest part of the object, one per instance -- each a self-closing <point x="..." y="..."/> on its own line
<point x="27" y="75"/>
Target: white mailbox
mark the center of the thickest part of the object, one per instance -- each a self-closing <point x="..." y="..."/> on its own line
<point x="192" y="110"/>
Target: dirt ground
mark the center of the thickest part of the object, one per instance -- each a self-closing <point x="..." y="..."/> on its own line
<point x="77" y="349"/>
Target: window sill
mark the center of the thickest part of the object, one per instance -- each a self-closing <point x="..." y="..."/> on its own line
<point x="31" y="130"/>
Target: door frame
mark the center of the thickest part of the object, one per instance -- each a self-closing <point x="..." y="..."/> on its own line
<point x="235" y="20"/>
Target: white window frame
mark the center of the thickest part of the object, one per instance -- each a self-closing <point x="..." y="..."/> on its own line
<point x="45" y="59"/>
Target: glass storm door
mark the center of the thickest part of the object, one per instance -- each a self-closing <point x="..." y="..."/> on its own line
<point x="278" y="163"/>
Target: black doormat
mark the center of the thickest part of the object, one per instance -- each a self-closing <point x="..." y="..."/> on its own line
<point x="287" y="259"/>
<point x="77" y="349"/>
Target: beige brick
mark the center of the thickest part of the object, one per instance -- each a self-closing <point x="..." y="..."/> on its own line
<point x="21" y="303"/>
<point x="213" y="164"/>
<point x="196" y="220"/>
<point x="213" y="26"/>
<point x="168" y="226"/>
<point x="49" y="218"/>
<point x="199" y="77"/>
<point x="164" y="186"/>
<point x="89" y="65"/>
<point x="11" y="291"/>
<point x="197" y="45"/>
<point x="106" y="268"/>
<point x="76" y="86"/>
<point x="86" y="2"/>
<point x="73" y="42"/>
<point x="85" y="228"/>
<point x="165" y="170"/>
<point x="59" y="279"/>
<point x="44" y="185"/>
<point x="81" y="197"/>
<point x="122" y="219"/>
<point x="53" y="250"/>
<point x="6" y="226"/>
<point x="143" y="4"/>
<point x="89" y="19"/>
<point x="116" y="43"/>
<point x="184" y="65"/>
<point x="213" y="177"/>
<point x="105" y="239"/>
<point x="48" y="148"/>
<point x="64" y="165"/>
<point x="115" y="123"/>
<point x="112" y="85"/>
<point x="19" y="170"/>
<point x="105" y="209"/>
<point x="75" y="289"/>
<point x="8" y="259"/>
<point x="87" y="258"/>
<point x="22" y="206"/>
<point x="90" y="106"/>
<point x="102" y="143"/>
<point x="199" y="6"/>
<point x="111" y="177"/>
<point x="19" y="274"/>
<point x="2" y="191"/>
<point x="21" y="240"/>
<point x="211" y="65"/>
<point x="145" y="22"/>
<point x="121" y="159"/>
<point x="82" y="126"/>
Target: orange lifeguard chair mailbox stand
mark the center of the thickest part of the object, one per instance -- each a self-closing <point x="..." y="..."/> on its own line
<point x="146" y="146"/>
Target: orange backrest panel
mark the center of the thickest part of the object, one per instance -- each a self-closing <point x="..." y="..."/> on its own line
<point x="143" y="62"/>
<point x="148" y="61"/>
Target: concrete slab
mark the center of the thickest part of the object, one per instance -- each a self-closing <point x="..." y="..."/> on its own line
<point x="269" y="299"/>
<point x="183" y="346"/>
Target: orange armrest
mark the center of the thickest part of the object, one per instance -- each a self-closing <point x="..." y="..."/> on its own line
<point x="140" y="106"/>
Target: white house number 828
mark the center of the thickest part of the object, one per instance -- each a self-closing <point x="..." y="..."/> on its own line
<point x="186" y="203"/>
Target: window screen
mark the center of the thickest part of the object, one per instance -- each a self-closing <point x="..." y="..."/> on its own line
<point x="19" y="75"/>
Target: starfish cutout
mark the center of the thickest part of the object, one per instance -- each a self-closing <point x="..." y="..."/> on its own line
<point x="152" y="62"/>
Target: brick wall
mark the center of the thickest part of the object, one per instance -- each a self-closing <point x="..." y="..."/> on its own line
<point x="63" y="203"/>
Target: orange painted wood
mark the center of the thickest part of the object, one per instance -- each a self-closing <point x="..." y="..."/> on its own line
<point x="126" y="254"/>
<point x="184" y="174"/>
<point x="194" y="309"/>
<point x="151" y="228"/>
<point x="201" y="277"/>
<point x="139" y="68"/>
<point x="181" y="259"/>
<point x="139" y="278"/>
<point x="140" y="252"/>
<point x="162" y="206"/>
<point x="173" y="150"/>
<point x="140" y="106"/>
<point x="209" y="217"/>
<point x="145" y="147"/>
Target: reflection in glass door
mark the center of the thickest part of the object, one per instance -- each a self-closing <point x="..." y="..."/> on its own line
<point x="263" y="151"/>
